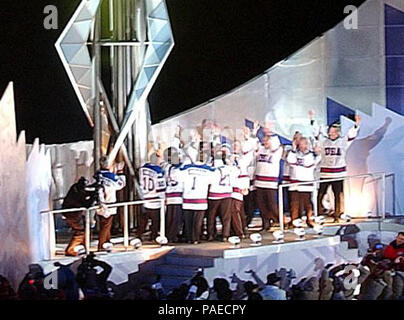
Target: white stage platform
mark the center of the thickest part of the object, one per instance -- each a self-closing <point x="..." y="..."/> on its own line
<point x="178" y="263"/>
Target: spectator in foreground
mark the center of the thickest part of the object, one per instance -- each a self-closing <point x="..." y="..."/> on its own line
<point x="6" y="291"/>
<point x="396" y="248"/>
<point x="271" y="290"/>
<point x="32" y="286"/>
<point x="252" y="291"/>
<point x="221" y="290"/>
<point x="395" y="253"/>
<point x="93" y="283"/>
<point x="67" y="283"/>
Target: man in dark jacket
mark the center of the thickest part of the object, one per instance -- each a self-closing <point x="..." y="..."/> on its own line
<point x="76" y="197"/>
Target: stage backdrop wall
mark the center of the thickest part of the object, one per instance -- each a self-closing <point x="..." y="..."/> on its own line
<point x="336" y="74"/>
<point x="69" y="161"/>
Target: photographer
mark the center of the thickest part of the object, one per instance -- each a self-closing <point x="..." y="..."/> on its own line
<point x="93" y="284"/>
<point x="32" y="286"/>
<point x="109" y="181"/>
<point x="77" y="196"/>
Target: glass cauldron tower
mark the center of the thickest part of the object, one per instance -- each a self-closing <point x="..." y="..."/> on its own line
<point x="113" y="51"/>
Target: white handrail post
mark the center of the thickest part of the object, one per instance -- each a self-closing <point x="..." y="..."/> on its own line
<point x="315" y="195"/>
<point x="87" y="231"/>
<point x="383" y="204"/>
<point x="52" y="235"/>
<point x="162" y="219"/>
<point x="349" y="193"/>
<point x="125" y="227"/>
<point x="280" y="204"/>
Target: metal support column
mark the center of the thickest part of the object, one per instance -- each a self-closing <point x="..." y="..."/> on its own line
<point x="96" y="92"/>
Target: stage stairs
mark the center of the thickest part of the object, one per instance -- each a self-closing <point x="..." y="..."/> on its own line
<point x="182" y="263"/>
<point x="176" y="268"/>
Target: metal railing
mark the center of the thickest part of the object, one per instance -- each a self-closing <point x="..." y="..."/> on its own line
<point x="87" y="220"/>
<point x="126" y="205"/>
<point x="315" y="184"/>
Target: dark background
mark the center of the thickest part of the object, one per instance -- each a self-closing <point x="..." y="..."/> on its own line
<point x="219" y="44"/>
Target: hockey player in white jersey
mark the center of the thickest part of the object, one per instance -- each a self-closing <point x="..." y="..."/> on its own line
<point x="152" y="187"/>
<point x="287" y="168"/>
<point x="240" y="190"/>
<point x="174" y="215"/>
<point x="333" y="160"/>
<point x="266" y="181"/>
<point x="196" y="179"/>
<point x="249" y="146"/>
<point x="112" y="180"/>
<point x="220" y="192"/>
<point x="303" y="163"/>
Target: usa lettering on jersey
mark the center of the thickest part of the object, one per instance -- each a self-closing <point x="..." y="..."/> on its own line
<point x="332" y="151"/>
<point x="267" y="168"/>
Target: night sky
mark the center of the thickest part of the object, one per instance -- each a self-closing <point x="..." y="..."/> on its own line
<point x="219" y="44"/>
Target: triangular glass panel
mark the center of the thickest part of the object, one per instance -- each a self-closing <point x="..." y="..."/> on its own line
<point x="163" y="35"/>
<point x="73" y="35"/>
<point x="84" y="14"/>
<point x="161" y="50"/>
<point x="86" y="79"/>
<point x="78" y="72"/>
<point x="160" y="11"/>
<point x="151" y="56"/>
<point x="83" y="28"/>
<point x="82" y="57"/>
<point x="150" y="72"/>
<point x="92" y="6"/>
<point x="70" y="50"/>
<point x="85" y="93"/>
<point x="155" y="26"/>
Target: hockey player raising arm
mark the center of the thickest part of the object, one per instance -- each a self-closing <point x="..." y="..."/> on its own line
<point x="266" y="180"/>
<point x="334" y="148"/>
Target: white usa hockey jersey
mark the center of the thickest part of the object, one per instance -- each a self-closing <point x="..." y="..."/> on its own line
<point x="224" y="179"/>
<point x="267" y="167"/>
<point x="242" y="181"/>
<point x="333" y="154"/>
<point x="287" y="169"/>
<point x="196" y="179"/>
<point x="249" y="147"/>
<point x="174" y="185"/>
<point x="152" y="184"/>
<point x="111" y="183"/>
<point x="303" y="166"/>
